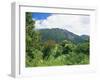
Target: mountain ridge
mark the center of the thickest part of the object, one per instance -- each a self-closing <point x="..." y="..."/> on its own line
<point x="58" y="35"/>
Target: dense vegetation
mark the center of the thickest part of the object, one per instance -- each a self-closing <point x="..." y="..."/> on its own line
<point x="53" y="50"/>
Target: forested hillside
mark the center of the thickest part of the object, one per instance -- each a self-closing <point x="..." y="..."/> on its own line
<point x="54" y="47"/>
<point x="59" y="35"/>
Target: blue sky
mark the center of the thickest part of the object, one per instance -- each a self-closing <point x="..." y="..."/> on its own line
<point x="78" y="24"/>
<point x="40" y="16"/>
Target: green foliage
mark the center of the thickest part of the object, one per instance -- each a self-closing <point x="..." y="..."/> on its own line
<point x="52" y="48"/>
<point x="83" y="47"/>
<point x="47" y="48"/>
<point x="33" y="45"/>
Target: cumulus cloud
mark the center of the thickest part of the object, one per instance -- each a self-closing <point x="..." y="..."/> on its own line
<point x="77" y="24"/>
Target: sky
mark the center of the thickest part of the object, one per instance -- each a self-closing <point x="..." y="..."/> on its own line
<point x="78" y="24"/>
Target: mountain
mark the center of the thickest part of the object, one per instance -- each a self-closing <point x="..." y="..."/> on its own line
<point x="61" y="34"/>
<point x="85" y="37"/>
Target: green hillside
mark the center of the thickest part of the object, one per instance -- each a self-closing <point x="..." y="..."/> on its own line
<point x="59" y="35"/>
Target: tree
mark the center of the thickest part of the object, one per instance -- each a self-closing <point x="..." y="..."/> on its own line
<point x="32" y="38"/>
<point x="47" y="48"/>
<point x="83" y="48"/>
<point x="66" y="46"/>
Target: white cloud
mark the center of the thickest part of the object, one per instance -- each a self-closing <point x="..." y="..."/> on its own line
<point x="75" y="23"/>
